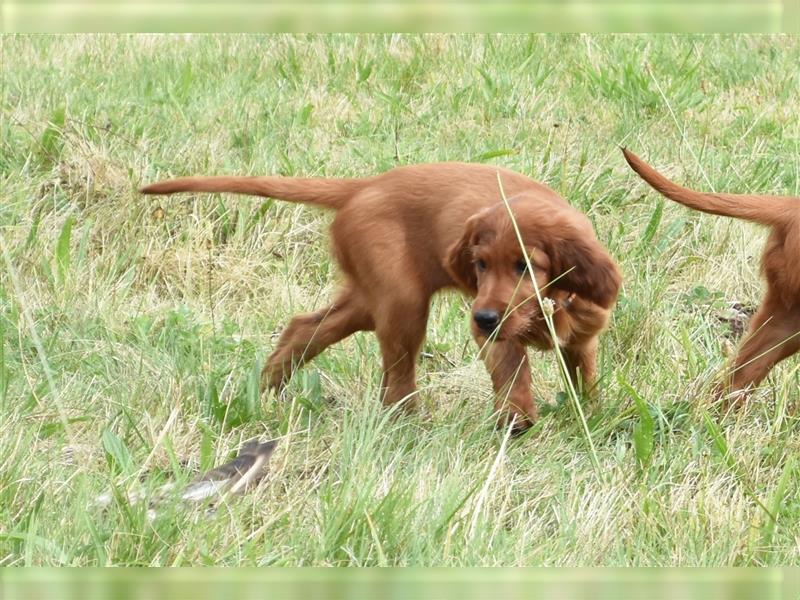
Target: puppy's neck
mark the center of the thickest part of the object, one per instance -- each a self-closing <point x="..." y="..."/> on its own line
<point x="562" y="300"/>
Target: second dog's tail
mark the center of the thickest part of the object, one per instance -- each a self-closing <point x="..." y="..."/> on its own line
<point x="331" y="193"/>
<point x="768" y="210"/>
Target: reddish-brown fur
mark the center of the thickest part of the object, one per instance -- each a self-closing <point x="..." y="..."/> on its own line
<point x="774" y="331"/>
<point x="402" y="235"/>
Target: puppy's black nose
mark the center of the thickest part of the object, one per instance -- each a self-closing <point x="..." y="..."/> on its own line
<point x="486" y="320"/>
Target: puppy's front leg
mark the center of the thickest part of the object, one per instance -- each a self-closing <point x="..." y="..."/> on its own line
<point x="581" y="363"/>
<point x="507" y="363"/>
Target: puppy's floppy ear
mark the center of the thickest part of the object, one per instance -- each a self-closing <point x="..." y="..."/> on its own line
<point x="582" y="266"/>
<point x="458" y="261"/>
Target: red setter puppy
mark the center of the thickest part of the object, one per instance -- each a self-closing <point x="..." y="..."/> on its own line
<point x="774" y="331"/>
<point x="402" y="235"/>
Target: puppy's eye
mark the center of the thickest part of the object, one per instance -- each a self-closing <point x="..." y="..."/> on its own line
<point x="521" y="266"/>
<point x="480" y="265"/>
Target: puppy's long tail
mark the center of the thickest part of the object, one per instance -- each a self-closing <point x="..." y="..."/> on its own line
<point x="330" y="193"/>
<point x="767" y="210"/>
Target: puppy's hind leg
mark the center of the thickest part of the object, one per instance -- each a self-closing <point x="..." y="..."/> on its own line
<point x="400" y="327"/>
<point x="309" y="334"/>
<point x="771" y="339"/>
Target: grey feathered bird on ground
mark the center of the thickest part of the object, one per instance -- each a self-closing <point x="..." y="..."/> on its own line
<point x="234" y="477"/>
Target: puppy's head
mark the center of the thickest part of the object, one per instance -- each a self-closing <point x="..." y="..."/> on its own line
<point x="560" y="247"/>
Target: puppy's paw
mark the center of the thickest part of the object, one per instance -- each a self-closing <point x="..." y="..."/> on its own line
<point x="272" y="379"/>
<point x="519" y="422"/>
<point x="727" y="398"/>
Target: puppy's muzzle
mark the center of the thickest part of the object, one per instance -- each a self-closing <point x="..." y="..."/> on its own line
<point x="486" y="320"/>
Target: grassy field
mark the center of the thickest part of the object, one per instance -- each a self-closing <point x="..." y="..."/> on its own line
<point x="132" y="329"/>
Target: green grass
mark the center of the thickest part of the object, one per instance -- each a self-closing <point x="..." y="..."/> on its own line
<point x="132" y="329"/>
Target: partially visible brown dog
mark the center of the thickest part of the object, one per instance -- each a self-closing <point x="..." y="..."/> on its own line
<point x="774" y="331"/>
<point x="402" y="235"/>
